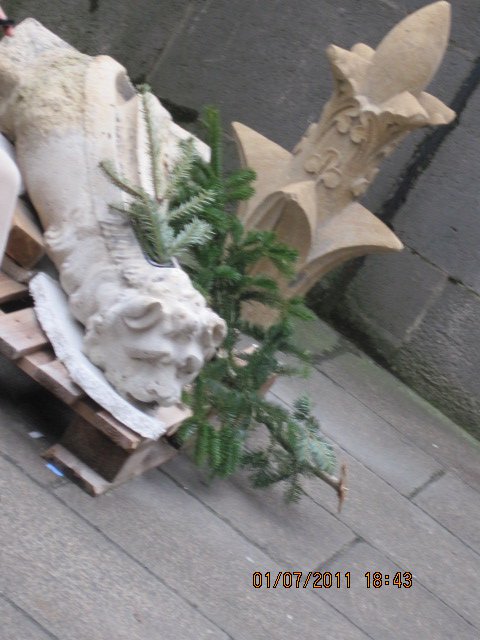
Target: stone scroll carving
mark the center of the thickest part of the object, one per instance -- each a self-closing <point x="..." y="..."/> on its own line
<point x="146" y="327"/>
<point x="309" y="196"/>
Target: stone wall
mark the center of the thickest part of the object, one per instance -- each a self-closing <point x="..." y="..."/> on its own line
<point x="262" y="62"/>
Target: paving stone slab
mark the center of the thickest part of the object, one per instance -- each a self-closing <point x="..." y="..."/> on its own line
<point x="390" y="612"/>
<point x="25" y="452"/>
<point x="135" y="33"/>
<point x="465" y="24"/>
<point x="409" y="537"/>
<point x="265" y="65"/>
<point x="76" y="584"/>
<point x="362" y="433"/>
<point x="305" y="534"/>
<point x="15" y="625"/>
<point x="456" y="506"/>
<point x="438" y="218"/>
<point x="410" y="414"/>
<point x="389" y="293"/>
<point x="204" y="559"/>
<point x="26" y="407"/>
<point x="445" y="348"/>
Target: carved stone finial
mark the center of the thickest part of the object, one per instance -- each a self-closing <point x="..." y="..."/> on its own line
<point x="309" y="196"/>
<point x="409" y="55"/>
<point x="147" y="328"/>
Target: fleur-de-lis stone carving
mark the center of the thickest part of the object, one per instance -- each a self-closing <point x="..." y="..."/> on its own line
<point x="310" y="196"/>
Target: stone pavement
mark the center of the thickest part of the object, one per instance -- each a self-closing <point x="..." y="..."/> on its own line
<point x="169" y="557"/>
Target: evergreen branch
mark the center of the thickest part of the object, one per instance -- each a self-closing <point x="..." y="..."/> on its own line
<point x="189" y="218"/>
<point x="182" y="173"/>
<point x="153" y="138"/>
<point x="211" y="121"/>
<point x="193" y="233"/>
<point x="192" y="207"/>
<point x="123" y="183"/>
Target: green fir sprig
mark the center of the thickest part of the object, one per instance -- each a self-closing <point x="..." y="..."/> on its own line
<point x="152" y="216"/>
<point x="226" y="399"/>
<point x="190" y="215"/>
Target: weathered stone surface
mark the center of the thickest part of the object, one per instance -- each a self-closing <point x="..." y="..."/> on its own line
<point x="298" y="527"/>
<point x="443" y="229"/>
<point x="16" y="625"/>
<point x="409" y="538"/>
<point x="72" y="113"/>
<point x="205" y="560"/>
<point x="317" y="337"/>
<point x="455" y="67"/>
<point x="279" y="56"/>
<point x="408" y="413"/>
<point x="389" y="612"/>
<point x="455" y="505"/>
<point x="55" y="563"/>
<point x="362" y="433"/>
<point x="445" y="350"/>
<point x="310" y="197"/>
<point x="134" y="33"/>
<point x="389" y="295"/>
<point x="464" y="31"/>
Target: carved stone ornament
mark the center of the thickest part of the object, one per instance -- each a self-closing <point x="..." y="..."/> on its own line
<point x="309" y="196"/>
<point x="147" y="328"/>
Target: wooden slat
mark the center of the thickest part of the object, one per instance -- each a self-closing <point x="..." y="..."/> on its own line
<point x="173" y="416"/>
<point x="94" y="448"/>
<point x="11" y="290"/>
<point x="105" y="457"/>
<point x="55" y="377"/>
<point x="89" y="480"/>
<point x="25" y="242"/>
<point x="32" y="363"/>
<point x="20" y="334"/>
<point x="106" y="423"/>
<point x="92" y="482"/>
<point x="51" y="374"/>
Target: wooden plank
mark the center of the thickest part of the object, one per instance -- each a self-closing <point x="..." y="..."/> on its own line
<point x="51" y="374"/>
<point x="11" y="290"/>
<point x="56" y="379"/>
<point x="173" y="416"/>
<point x="92" y="482"/>
<point x="105" y="422"/>
<point x="94" y="448"/>
<point x="151" y="454"/>
<point x="20" y="334"/>
<point x="25" y="243"/>
<point x="14" y="271"/>
<point x="78" y="471"/>
<point x="32" y="363"/>
<point x="106" y="458"/>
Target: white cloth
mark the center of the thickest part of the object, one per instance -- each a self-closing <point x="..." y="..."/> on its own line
<point x="10" y="187"/>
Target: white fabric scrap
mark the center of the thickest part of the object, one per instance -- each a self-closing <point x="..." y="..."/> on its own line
<point x="66" y="336"/>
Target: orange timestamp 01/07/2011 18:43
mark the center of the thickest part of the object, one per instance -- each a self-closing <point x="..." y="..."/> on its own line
<point x="329" y="580"/>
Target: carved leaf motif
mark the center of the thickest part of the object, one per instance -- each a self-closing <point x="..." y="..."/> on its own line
<point x="331" y="178"/>
<point x="343" y="121"/>
<point x="360" y="185"/>
<point x="358" y="134"/>
<point x="326" y="167"/>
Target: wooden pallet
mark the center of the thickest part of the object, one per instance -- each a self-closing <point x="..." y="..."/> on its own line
<point x="96" y="450"/>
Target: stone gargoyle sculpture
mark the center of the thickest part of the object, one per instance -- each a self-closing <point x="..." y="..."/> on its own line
<point x="309" y="197"/>
<point x="146" y="327"/>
